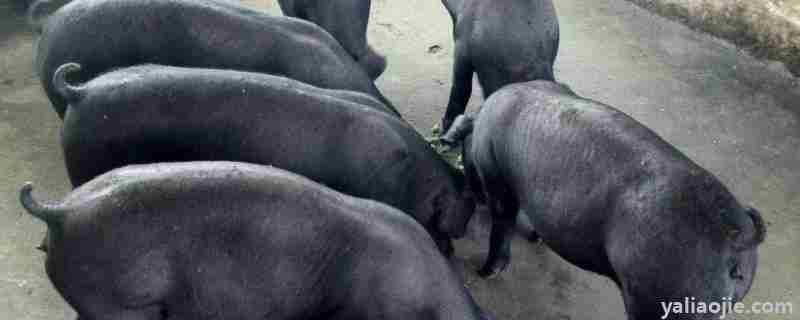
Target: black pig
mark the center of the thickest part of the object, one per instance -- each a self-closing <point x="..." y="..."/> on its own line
<point x="149" y="114"/>
<point x="503" y="42"/>
<point x="103" y="35"/>
<point x="610" y="196"/>
<point x="225" y="240"/>
<point x="347" y="21"/>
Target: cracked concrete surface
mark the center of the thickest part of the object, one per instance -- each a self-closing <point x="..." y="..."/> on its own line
<point x="734" y="115"/>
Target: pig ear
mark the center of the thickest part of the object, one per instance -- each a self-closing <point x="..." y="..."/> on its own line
<point x="43" y="246"/>
<point x="744" y="240"/>
<point x="51" y="215"/>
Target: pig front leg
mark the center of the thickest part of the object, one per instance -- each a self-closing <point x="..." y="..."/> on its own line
<point x="461" y="90"/>
<point x="445" y="245"/>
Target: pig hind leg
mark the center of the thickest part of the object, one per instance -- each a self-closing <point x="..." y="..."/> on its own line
<point x="355" y="38"/>
<point x="503" y="207"/>
<point x="525" y="227"/>
<point x="503" y="210"/>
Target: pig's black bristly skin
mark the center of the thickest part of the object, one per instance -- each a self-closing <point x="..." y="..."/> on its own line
<point x="345" y="20"/>
<point x="152" y="113"/>
<point x="192" y="33"/>
<point x="503" y="42"/>
<point x="243" y="240"/>
<point x="610" y="196"/>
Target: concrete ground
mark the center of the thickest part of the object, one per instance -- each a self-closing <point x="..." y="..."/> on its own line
<point x="765" y="28"/>
<point x="735" y="116"/>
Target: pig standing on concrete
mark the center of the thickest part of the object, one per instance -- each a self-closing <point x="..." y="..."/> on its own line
<point x="103" y="35"/>
<point x="610" y="196"/>
<point x="225" y="240"/>
<point x="505" y="42"/>
<point x="347" y="21"/>
<point x="150" y="114"/>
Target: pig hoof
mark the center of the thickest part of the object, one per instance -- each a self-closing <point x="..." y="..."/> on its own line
<point x="446" y="247"/>
<point x="43" y="246"/>
<point x="534" y="237"/>
<point x="444" y="126"/>
<point x="489" y="271"/>
<point x="437" y="130"/>
<point x="448" y="142"/>
<point x="488" y="274"/>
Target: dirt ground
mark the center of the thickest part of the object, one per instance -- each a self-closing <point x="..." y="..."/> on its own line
<point x="735" y="116"/>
